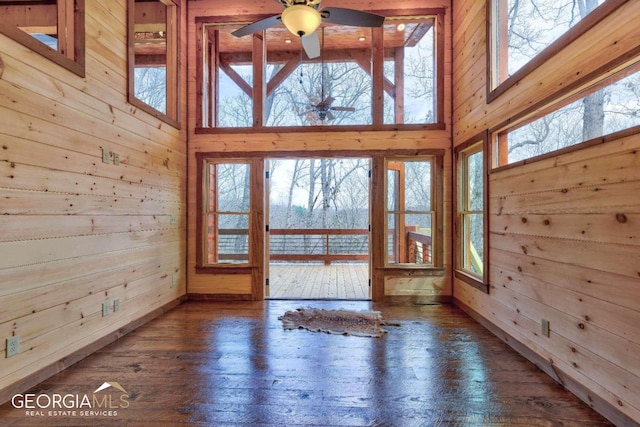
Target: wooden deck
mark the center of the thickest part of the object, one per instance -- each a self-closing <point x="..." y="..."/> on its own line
<point x="223" y="364"/>
<point x="317" y="281"/>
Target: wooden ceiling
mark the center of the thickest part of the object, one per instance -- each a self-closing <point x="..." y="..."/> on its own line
<point x="333" y="37"/>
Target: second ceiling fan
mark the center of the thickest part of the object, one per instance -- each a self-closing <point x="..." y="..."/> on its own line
<point x="302" y="18"/>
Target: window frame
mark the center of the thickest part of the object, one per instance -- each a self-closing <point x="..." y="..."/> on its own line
<point x="71" y="51"/>
<point x="477" y="144"/>
<point x="207" y="191"/>
<point x="173" y="74"/>
<point x="259" y="45"/>
<point x="496" y="16"/>
<point x="256" y="169"/>
<point x="498" y="143"/>
<point x="436" y="212"/>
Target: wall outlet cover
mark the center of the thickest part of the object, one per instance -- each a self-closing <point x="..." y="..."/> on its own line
<point x="106" y="154"/>
<point x="13" y="346"/>
<point x="116" y="159"/>
<point x="116" y="305"/>
<point x="105" y="308"/>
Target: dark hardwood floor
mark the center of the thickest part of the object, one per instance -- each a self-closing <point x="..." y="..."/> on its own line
<point x="214" y="364"/>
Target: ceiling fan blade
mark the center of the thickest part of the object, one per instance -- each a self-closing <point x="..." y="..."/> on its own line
<point x="356" y="18"/>
<point x="343" y="109"/>
<point x="263" y="24"/>
<point x="311" y="45"/>
<point x="325" y="103"/>
<point x="330" y="116"/>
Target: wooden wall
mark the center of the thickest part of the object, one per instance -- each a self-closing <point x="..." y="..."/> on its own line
<point x="75" y="231"/>
<point x="328" y="142"/>
<point x="564" y="231"/>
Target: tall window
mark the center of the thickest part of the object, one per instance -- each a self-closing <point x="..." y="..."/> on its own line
<point x="522" y="29"/>
<point x="227" y="207"/>
<point x="53" y="28"/>
<point x="608" y="106"/>
<point x="410" y="85"/>
<point x="471" y="258"/>
<point x="153" y="57"/>
<point x="332" y="90"/>
<point x="227" y="77"/>
<point x="267" y="79"/>
<point x="410" y="212"/>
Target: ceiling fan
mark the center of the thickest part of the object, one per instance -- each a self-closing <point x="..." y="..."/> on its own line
<point x="324" y="109"/>
<point x="302" y="18"/>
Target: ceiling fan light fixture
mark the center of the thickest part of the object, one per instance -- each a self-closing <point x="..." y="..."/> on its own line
<point x="301" y="20"/>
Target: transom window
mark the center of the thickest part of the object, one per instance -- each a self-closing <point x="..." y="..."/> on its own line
<point x="53" y="28"/>
<point x="522" y="29"/>
<point x="267" y="80"/>
<point x="608" y="106"/>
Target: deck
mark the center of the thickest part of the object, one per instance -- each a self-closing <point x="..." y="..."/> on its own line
<point x="319" y="281"/>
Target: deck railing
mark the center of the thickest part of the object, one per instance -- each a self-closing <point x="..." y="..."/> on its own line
<point x="319" y="244"/>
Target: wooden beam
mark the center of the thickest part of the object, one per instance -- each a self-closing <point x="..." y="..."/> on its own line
<point x="378" y="75"/>
<point x="418" y="33"/>
<point x="399" y="83"/>
<point x="365" y="63"/>
<point x="237" y="78"/>
<point x="259" y="86"/>
<point x="282" y="75"/>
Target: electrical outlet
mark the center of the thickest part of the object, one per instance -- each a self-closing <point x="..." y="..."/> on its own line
<point x="116" y="305"/>
<point x="105" y="308"/>
<point x="116" y="159"/>
<point x="106" y="155"/>
<point x="174" y="280"/>
<point x="13" y="346"/>
<point x="174" y="219"/>
<point x="545" y="328"/>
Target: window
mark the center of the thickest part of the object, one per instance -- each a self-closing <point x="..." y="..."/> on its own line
<point x="267" y="80"/>
<point x="334" y="89"/>
<point x="471" y="229"/>
<point x="227" y="77"/>
<point x="153" y="58"/>
<point x="522" y="29"/>
<point x="411" y="218"/>
<point x="226" y="211"/>
<point x="53" y="28"/>
<point x="410" y="88"/>
<point x="609" y="106"/>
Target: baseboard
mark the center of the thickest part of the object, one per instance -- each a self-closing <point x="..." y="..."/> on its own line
<point x="600" y="405"/>
<point x="47" y="372"/>
<point x="220" y="297"/>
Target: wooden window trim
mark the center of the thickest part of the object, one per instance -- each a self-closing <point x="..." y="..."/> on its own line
<point x="495" y="88"/>
<point x="477" y="281"/>
<point x="71" y="57"/>
<point x="172" y="117"/>
<point x="438" y="15"/>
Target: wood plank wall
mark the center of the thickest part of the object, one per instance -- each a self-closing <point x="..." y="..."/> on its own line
<point x="331" y="142"/>
<point x="564" y="231"/>
<point x="76" y="232"/>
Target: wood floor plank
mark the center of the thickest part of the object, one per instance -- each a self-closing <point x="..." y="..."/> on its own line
<point x="221" y="364"/>
<point x="318" y="281"/>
